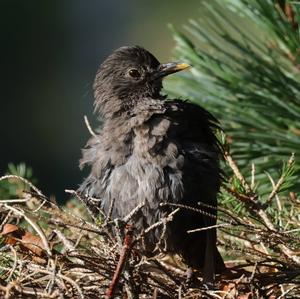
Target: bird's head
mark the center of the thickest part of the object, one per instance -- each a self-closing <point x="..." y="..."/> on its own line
<point x="128" y="75"/>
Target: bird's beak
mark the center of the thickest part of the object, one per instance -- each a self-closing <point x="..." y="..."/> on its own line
<point x="170" y="68"/>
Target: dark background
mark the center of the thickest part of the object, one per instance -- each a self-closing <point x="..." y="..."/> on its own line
<point x="50" y="51"/>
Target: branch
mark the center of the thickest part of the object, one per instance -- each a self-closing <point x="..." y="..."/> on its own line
<point x="127" y="245"/>
<point x="87" y="123"/>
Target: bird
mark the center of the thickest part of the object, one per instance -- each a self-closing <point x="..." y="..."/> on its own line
<point x="160" y="153"/>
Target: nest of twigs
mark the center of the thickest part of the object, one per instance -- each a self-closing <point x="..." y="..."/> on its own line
<point x="52" y="252"/>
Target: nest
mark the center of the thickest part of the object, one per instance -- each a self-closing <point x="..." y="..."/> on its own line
<point x="48" y="251"/>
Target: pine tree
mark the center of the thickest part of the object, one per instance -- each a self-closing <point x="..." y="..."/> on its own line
<point x="246" y="70"/>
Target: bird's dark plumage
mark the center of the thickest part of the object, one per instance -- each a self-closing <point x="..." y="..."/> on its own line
<point x="152" y="150"/>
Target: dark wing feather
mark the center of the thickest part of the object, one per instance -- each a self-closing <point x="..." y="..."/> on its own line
<point x="194" y="130"/>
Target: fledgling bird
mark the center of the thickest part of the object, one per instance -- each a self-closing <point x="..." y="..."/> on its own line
<point x="154" y="151"/>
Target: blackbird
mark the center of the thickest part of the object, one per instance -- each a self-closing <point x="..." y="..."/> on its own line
<point x="159" y="153"/>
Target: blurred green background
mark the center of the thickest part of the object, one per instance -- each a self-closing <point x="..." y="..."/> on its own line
<point x="50" y="51"/>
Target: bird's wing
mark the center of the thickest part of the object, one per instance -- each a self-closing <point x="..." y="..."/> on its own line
<point x="193" y="131"/>
<point x="195" y="125"/>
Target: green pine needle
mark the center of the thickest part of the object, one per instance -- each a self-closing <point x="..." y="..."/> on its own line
<point x="246" y="71"/>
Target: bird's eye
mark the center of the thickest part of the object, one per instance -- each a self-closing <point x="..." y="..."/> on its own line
<point x="134" y="73"/>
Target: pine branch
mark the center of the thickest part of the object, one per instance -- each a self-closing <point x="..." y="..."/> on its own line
<point x="245" y="58"/>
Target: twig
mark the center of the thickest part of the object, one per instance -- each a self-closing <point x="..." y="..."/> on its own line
<point x="133" y="212"/>
<point x="14" y="264"/>
<point x="118" y="233"/>
<point x="259" y="211"/>
<point x="128" y="241"/>
<point x="5" y="219"/>
<point x="73" y="192"/>
<point x="123" y="221"/>
<point x="237" y="172"/>
<point x="94" y="229"/>
<point x="87" y="123"/>
<point x="284" y="293"/>
<point x="162" y="236"/>
<point x="161" y="222"/>
<point x="68" y="279"/>
<point x="253" y="272"/>
<point x="274" y="193"/>
<point x="16" y="200"/>
<point x="108" y="216"/>
<point x="207" y="227"/>
<point x="51" y="282"/>
<point x="281" y="180"/>
<point x="40" y="206"/>
<point x="164" y="268"/>
<point x="10" y="176"/>
<point x="67" y="244"/>
<point x="130" y="286"/>
<point x="252" y="176"/>
<point x="189" y="208"/>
